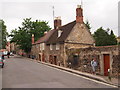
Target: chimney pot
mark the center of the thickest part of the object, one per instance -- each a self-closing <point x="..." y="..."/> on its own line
<point x="45" y="32"/>
<point x="33" y="39"/>
<point x="78" y="6"/>
<point x="32" y="35"/>
<point x="79" y="14"/>
<point x="57" y="22"/>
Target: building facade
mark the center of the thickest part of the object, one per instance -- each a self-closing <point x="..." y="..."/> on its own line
<point x="73" y="43"/>
<point x="53" y="45"/>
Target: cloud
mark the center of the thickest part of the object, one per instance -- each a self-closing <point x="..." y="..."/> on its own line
<point x="98" y="12"/>
<point x="103" y="13"/>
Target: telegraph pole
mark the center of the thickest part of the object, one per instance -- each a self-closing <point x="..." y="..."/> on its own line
<point x="81" y="4"/>
<point x="53" y="14"/>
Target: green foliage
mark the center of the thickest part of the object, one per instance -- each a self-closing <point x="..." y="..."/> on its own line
<point x="3" y="34"/>
<point x="22" y="35"/>
<point x="103" y="38"/>
<point x="88" y="25"/>
<point x="119" y="43"/>
<point x="113" y="40"/>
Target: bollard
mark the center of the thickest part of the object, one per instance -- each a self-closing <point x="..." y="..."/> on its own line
<point x="109" y="77"/>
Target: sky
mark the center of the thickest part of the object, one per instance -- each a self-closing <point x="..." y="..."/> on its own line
<point x="98" y="12"/>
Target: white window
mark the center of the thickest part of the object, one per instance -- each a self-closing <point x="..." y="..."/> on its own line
<point x="37" y="46"/>
<point x="57" y="46"/>
<point x="59" y="33"/>
<point x="51" y="47"/>
<point x="42" y="46"/>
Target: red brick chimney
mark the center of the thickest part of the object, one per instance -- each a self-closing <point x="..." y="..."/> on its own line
<point x="79" y="14"/>
<point x="33" y="39"/>
<point x="57" y="22"/>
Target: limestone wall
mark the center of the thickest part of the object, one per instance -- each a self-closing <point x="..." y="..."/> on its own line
<point x="76" y="45"/>
<point x="35" y="51"/>
<point x="80" y="34"/>
<point x="85" y="55"/>
<point x="58" y="53"/>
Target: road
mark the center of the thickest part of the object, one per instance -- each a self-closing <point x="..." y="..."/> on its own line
<point x="21" y="72"/>
<point x="0" y="79"/>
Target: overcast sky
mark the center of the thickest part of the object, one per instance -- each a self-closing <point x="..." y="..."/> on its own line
<point x="97" y="12"/>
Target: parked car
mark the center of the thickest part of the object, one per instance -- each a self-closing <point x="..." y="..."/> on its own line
<point x="5" y="53"/>
<point x="1" y="62"/>
<point x="11" y="54"/>
<point x="1" y="53"/>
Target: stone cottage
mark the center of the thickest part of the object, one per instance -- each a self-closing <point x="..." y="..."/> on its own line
<point x="73" y="43"/>
<point x="52" y="46"/>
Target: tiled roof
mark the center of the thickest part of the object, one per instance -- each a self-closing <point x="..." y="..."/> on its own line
<point x="66" y="29"/>
<point x="45" y="37"/>
<point x="52" y="35"/>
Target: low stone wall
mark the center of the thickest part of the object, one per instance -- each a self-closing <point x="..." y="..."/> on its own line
<point x="85" y="55"/>
<point x="116" y="65"/>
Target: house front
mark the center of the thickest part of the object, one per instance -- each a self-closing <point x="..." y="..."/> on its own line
<point x="52" y="46"/>
<point x="73" y="43"/>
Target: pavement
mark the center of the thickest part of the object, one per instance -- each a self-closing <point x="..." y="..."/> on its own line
<point x="113" y="81"/>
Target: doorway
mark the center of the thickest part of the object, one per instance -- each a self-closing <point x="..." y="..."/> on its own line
<point x="51" y="59"/>
<point x="55" y="60"/>
<point x="106" y="58"/>
<point x="39" y="57"/>
<point x="75" y="60"/>
<point x="43" y="57"/>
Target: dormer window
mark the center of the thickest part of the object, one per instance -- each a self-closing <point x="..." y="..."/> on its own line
<point x="59" y="33"/>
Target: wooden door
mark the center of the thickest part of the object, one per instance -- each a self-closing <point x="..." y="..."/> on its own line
<point x="106" y="64"/>
<point x="50" y="59"/>
<point x="55" y="60"/>
<point x="43" y="57"/>
<point x="75" y="60"/>
<point x="39" y="57"/>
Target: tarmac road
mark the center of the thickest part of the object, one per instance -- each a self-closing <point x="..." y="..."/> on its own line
<point x="21" y="72"/>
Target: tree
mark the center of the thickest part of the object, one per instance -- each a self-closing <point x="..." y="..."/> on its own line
<point x="38" y="28"/>
<point x="22" y="35"/>
<point x="88" y="25"/>
<point x="113" y="40"/>
<point x="103" y="38"/>
<point x="3" y="34"/>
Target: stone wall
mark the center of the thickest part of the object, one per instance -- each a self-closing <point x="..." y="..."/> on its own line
<point x="85" y="55"/>
<point x="58" y="53"/>
<point x="35" y="51"/>
<point x="80" y="34"/>
<point x="76" y="45"/>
